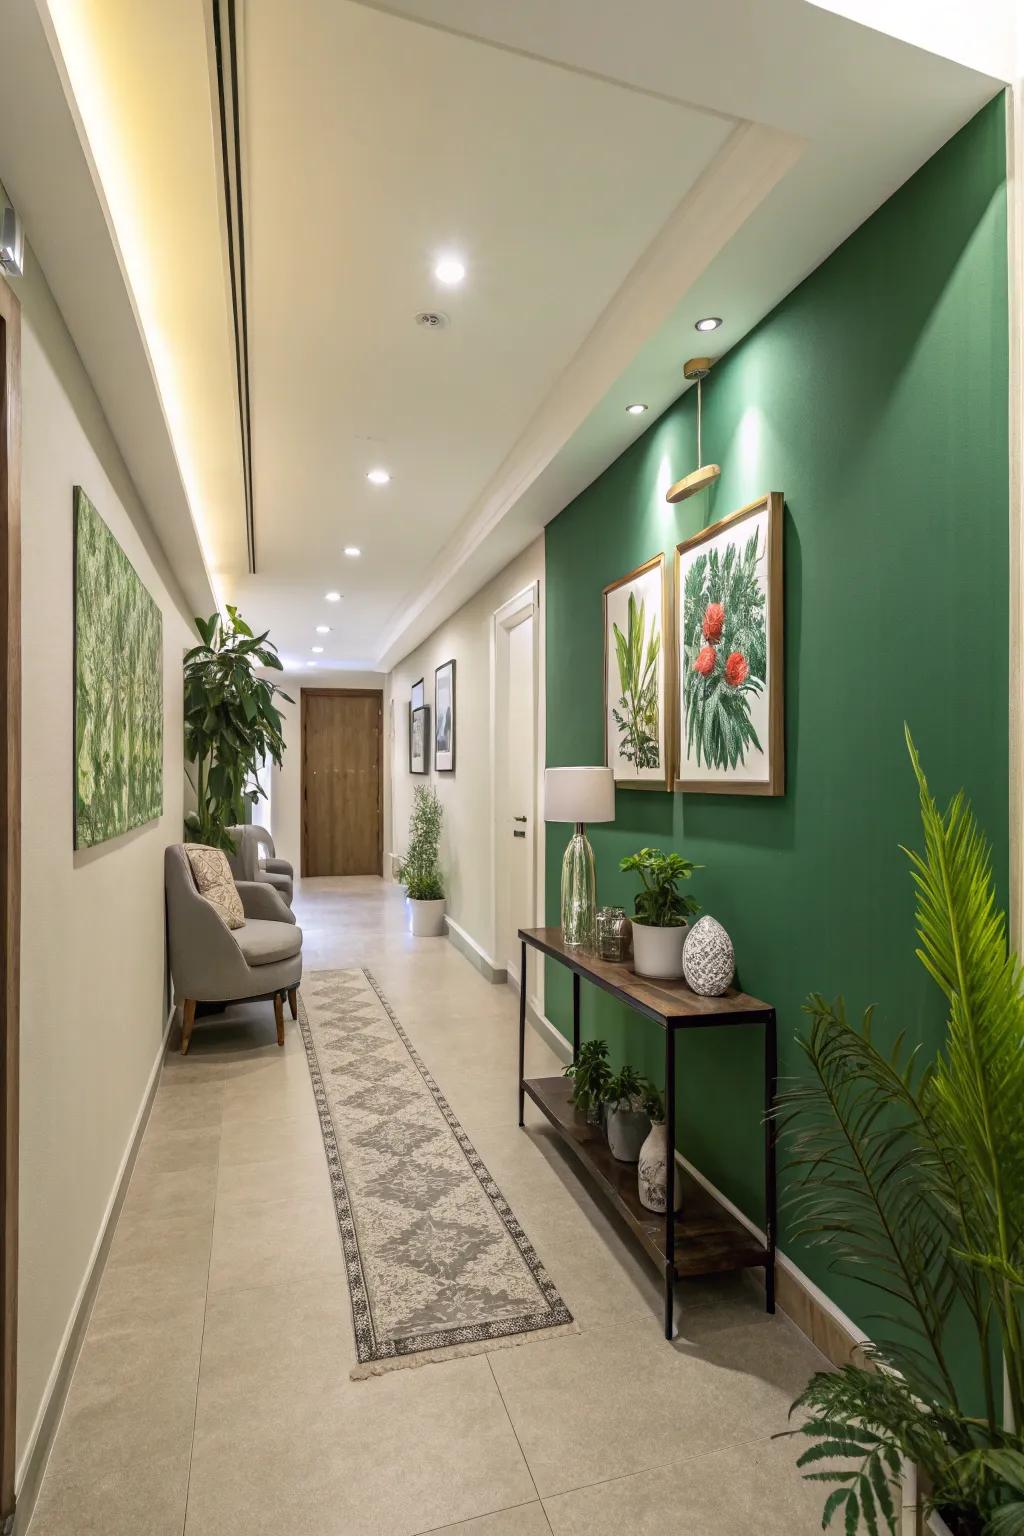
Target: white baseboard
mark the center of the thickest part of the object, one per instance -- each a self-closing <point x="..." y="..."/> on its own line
<point x="30" y="1469"/>
<point x="477" y="956"/>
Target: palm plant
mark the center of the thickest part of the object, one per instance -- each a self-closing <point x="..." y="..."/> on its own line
<point x="912" y="1175"/>
<point x="637" y="653"/>
<point x="232" y="724"/>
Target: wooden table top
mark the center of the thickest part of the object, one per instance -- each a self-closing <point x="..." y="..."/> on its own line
<point x="669" y="1003"/>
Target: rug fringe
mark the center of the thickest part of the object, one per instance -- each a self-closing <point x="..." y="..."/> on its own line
<point x="457" y="1351"/>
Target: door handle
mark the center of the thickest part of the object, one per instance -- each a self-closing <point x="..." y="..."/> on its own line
<point x="518" y="818"/>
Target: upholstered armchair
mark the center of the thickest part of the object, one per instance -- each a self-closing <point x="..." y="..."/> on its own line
<point x="245" y="861"/>
<point x="213" y="963"/>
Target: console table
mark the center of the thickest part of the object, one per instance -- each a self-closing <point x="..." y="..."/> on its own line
<point x="704" y="1238"/>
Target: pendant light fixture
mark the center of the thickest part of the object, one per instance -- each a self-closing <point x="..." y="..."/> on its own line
<point x="695" y="368"/>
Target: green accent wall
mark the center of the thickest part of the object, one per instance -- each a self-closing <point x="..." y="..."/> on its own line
<point x="875" y="397"/>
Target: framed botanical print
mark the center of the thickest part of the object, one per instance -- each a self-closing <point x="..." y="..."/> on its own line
<point x="419" y="739"/>
<point x="638" y="691"/>
<point x="444" y="718"/>
<point x="730" y="649"/>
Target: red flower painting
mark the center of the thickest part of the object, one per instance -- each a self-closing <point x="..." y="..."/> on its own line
<point x="714" y="622"/>
<point x="736" y="669"/>
<point x="705" y="663"/>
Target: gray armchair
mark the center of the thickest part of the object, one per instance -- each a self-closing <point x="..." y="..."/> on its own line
<point x="212" y="963"/>
<point x="245" y="861"/>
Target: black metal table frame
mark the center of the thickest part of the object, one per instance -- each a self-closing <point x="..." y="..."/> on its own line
<point x="670" y="1028"/>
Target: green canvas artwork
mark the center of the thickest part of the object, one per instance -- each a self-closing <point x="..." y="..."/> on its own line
<point x="119" y="714"/>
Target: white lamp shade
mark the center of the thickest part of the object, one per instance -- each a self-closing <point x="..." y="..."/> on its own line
<point x="579" y="794"/>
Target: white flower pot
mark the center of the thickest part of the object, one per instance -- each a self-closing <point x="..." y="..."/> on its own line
<point x="427" y="921"/>
<point x="658" y="952"/>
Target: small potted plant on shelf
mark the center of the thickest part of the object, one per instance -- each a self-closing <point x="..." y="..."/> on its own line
<point x="661" y="912"/>
<point x="628" y="1122"/>
<point x="590" y="1076"/>
<point x="420" y="871"/>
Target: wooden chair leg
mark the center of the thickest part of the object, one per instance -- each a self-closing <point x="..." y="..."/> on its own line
<point x="188" y="1018"/>
<point x="293" y="1001"/>
<point x="279" y="1017"/>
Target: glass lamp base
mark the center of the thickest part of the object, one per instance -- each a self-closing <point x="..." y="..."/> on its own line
<point x="579" y="892"/>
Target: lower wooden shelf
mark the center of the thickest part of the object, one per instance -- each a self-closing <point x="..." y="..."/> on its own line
<point x="708" y="1240"/>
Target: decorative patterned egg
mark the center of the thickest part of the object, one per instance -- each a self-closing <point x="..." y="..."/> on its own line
<point x="708" y="960"/>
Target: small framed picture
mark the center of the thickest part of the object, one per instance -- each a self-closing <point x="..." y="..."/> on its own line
<point x="729" y="644"/>
<point x="419" y="739"/>
<point x="638" y="677"/>
<point x="416" y="696"/>
<point x="444" y="718"/>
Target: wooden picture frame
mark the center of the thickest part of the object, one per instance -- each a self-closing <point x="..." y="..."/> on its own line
<point x="754" y="727"/>
<point x="651" y="578"/>
<point x="419" y="740"/>
<point x="444" y="729"/>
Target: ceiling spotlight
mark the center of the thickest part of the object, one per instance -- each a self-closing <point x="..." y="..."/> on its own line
<point x="450" y="271"/>
<point x="317" y="650"/>
<point x="310" y="663"/>
<point x="709" y="323"/>
<point x="636" y="410"/>
<point x="323" y="629"/>
<point x="352" y="552"/>
<point x="378" y="477"/>
<point x="333" y="597"/>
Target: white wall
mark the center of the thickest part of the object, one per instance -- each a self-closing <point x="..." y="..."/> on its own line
<point x="466" y="794"/>
<point x="93" y="996"/>
<point x="286" y="781"/>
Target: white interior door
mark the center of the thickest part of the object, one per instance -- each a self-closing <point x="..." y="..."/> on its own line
<point x="516" y="775"/>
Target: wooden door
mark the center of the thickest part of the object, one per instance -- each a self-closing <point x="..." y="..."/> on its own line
<point x="10" y="873"/>
<point x="342" y="769"/>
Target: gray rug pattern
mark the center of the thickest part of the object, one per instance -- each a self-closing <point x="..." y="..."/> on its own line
<point x="436" y="1260"/>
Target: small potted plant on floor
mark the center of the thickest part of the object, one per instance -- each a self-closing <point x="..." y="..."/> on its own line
<point x="661" y="912"/>
<point x="626" y="1096"/>
<point x="590" y="1076"/>
<point x="420" y="871"/>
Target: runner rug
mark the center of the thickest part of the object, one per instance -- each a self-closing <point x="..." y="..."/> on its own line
<point x="437" y="1263"/>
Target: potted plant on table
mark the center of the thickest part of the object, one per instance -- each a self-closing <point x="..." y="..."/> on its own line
<point x="661" y="912"/>
<point x="628" y="1122"/>
<point x="590" y="1075"/>
<point x="912" y="1177"/>
<point x="420" y="870"/>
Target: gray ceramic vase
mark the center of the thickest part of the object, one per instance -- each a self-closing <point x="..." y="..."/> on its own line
<point x="627" y="1131"/>
<point x="709" y="964"/>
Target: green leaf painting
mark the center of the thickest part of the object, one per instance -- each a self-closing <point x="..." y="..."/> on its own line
<point x="119" y="715"/>
<point x="635" y="704"/>
<point x="725" y="653"/>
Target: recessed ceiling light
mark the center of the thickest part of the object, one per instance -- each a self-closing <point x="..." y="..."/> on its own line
<point x="333" y="597"/>
<point x="310" y="663"/>
<point x="317" y="650"/>
<point x="450" y="271"/>
<point x="352" y="552"/>
<point x="323" y="629"/>
<point x="636" y="410"/>
<point x="378" y="477"/>
<point x="709" y="323"/>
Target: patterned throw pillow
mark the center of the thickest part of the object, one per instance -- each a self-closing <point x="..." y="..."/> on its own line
<point x="213" y="877"/>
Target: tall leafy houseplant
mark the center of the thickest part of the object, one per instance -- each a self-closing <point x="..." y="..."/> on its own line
<point x="912" y="1177"/>
<point x="420" y="871"/>
<point x="231" y="722"/>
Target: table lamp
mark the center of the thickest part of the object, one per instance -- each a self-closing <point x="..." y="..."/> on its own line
<point x="579" y="795"/>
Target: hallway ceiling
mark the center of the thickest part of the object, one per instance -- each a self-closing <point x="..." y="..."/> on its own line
<point x="606" y="185"/>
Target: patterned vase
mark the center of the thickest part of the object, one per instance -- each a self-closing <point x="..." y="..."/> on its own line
<point x="651" y="1171"/>
<point x="708" y="961"/>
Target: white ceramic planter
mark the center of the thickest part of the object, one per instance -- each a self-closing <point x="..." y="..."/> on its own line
<point x="427" y="918"/>
<point x="652" y="1169"/>
<point x="658" y="952"/>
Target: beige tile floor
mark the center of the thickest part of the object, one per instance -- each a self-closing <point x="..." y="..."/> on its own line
<point x="212" y="1396"/>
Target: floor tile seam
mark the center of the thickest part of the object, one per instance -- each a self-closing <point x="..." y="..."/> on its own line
<point x="433" y="1530"/>
<point x="512" y="1427"/>
<point x="202" y="1343"/>
<point x="671" y="1464"/>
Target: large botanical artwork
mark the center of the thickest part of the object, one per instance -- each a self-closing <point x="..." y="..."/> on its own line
<point x="729" y="596"/>
<point x="119" y="710"/>
<point x="637" y="741"/>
